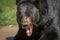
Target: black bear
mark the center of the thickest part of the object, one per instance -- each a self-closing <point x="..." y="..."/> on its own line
<point x="35" y="22"/>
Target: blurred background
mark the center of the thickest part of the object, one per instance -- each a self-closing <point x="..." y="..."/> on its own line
<point x="8" y="24"/>
<point x="7" y="12"/>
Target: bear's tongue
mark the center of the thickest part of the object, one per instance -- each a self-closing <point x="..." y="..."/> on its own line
<point x="28" y="30"/>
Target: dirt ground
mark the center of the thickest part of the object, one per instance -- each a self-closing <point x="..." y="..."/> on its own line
<point x="8" y="31"/>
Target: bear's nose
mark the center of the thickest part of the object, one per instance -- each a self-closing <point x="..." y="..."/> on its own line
<point x="25" y="24"/>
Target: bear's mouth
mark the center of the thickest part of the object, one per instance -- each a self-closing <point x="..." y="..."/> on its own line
<point x="29" y="30"/>
<point x="27" y="25"/>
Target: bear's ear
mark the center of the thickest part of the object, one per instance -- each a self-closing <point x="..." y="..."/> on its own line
<point x="37" y="3"/>
<point x="20" y="1"/>
<point x="41" y="4"/>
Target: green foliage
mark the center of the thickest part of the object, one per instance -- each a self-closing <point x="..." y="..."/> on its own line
<point x="7" y="12"/>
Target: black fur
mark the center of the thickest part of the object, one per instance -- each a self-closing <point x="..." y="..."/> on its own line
<point x="44" y="24"/>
